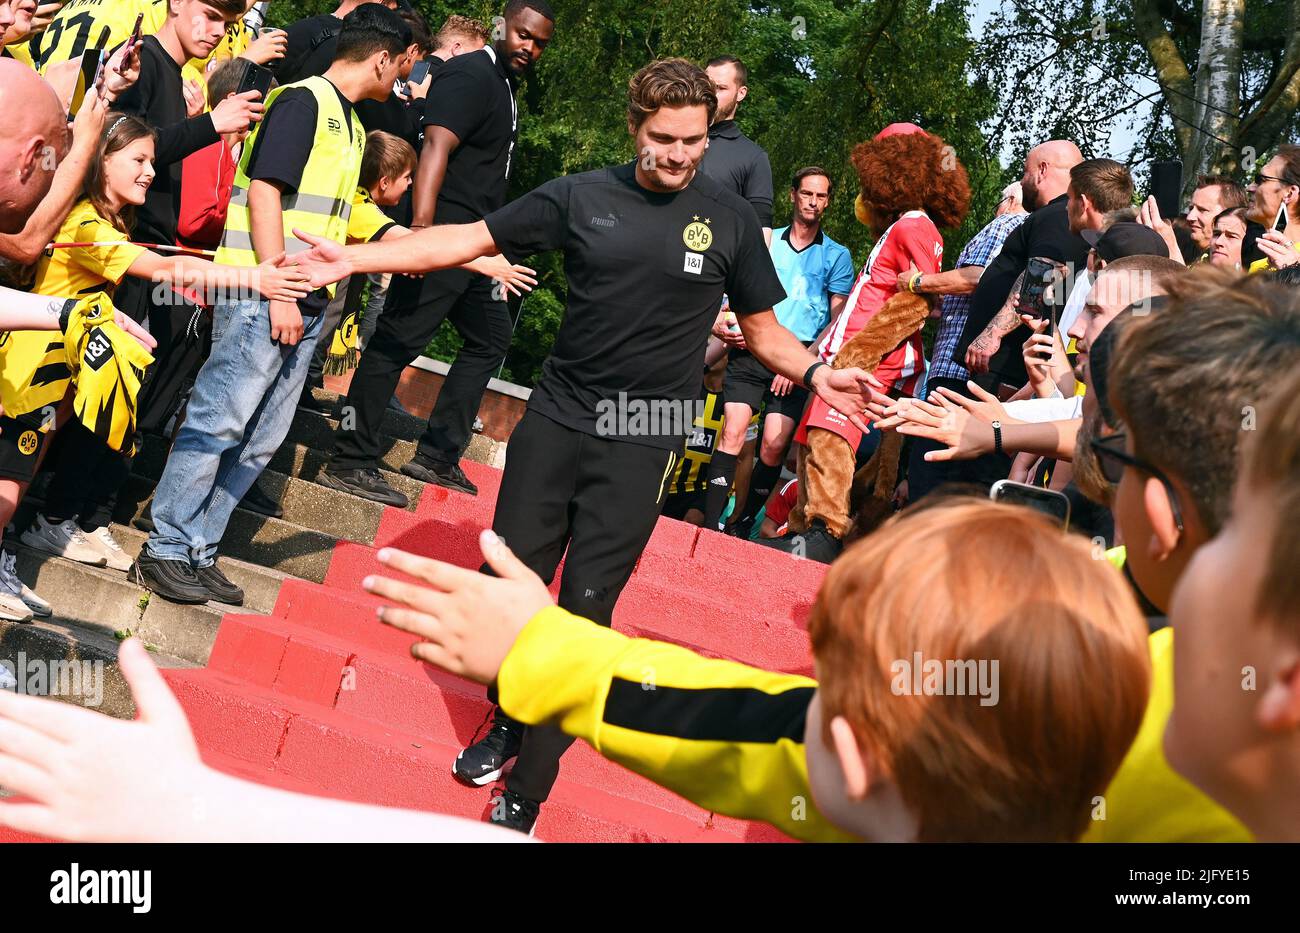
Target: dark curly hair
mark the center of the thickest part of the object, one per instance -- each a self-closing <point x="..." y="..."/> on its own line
<point x="912" y="171"/>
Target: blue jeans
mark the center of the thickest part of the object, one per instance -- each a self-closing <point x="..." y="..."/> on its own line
<point x="240" y="410"/>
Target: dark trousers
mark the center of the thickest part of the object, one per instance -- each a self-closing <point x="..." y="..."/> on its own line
<point x="924" y="477"/>
<point x="412" y="314"/>
<point x="598" y="498"/>
<point x="86" y="475"/>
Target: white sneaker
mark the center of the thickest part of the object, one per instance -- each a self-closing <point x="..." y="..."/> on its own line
<point x="102" y="540"/>
<point x="7" y="680"/>
<point x="12" y="586"/>
<point x="63" y="540"/>
<point x="12" y="609"/>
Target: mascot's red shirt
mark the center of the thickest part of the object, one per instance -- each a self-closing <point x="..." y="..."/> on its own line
<point x="912" y="240"/>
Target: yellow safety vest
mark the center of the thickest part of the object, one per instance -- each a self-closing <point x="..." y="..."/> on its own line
<point x="323" y="202"/>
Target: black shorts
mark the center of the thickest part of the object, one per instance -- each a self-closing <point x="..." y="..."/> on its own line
<point x="749" y="382"/>
<point x="677" y="504"/>
<point x="20" y="447"/>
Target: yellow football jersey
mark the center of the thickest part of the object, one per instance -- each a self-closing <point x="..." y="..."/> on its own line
<point x="70" y="273"/>
<point x="81" y="23"/>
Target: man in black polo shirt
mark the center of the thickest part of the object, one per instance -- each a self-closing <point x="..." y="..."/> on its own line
<point x="649" y="247"/>
<point x="471" y="124"/>
<point x="734" y="159"/>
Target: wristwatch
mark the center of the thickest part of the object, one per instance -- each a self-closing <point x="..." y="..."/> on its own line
<point x="997" y="437"/>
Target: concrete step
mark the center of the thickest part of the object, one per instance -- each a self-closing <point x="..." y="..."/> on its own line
<point x="304" y="502"/>
<point x="305" y="463"/>
<point x="41" y="654"/>
<point x="100" y="601"/>
<point x="288" y="548"/>
<point x="399" y="432"/>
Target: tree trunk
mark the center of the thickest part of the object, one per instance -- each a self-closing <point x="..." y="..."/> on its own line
<point x="1217" y="106"/>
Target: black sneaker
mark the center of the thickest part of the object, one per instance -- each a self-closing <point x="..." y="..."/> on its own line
<point x="257" y="500"/>
<point x="309" y="402"/>
<point x="367" y="484"/>
<point x="395" y="405"/>
<point x="440" y="474"/>
<point x="514" y="812"/>
<point x="739" y="529"/>
<point x="817" y="543"/>
<point x="173" y="580"/>
<point x="145" y="521"/>
<point x="220" y="586"/>
<point x="483" y="762"/>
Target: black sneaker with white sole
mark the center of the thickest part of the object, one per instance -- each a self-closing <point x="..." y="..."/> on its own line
<point x="367" y="484"/>
<point x="514" y="812"/>
<point x="173" y="580"/>
<point x="817" y="543"/>
<point x="483" y="762"/>
<point x="449" y="475"/>
<point x="220" y="585"/>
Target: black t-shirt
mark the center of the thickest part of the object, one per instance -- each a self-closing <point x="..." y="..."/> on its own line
<point x="282" y="148"/>
<point x="473" y="96"/>
<point x="741" y="165"/>
<point x="311" y="48"/>
<point x="1046" y="232"/>
<point x="645" y="272"/>
<point x="158" y="97"/>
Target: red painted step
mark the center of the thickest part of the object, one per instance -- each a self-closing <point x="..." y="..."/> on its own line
<point x="348" y="757"/>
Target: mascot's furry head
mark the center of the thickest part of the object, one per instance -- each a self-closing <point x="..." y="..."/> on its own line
<point x="904" y="168"/>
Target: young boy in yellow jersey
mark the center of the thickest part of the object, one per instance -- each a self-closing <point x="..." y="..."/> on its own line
<point x="880" y="747"/>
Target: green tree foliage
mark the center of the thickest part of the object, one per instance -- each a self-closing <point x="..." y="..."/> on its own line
<point x="824" y="75"/>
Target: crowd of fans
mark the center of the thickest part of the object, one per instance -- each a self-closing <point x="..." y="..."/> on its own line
<point x="156" y="235"/>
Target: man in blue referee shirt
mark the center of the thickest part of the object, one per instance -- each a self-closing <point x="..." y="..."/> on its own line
<point x="817" y="274"/>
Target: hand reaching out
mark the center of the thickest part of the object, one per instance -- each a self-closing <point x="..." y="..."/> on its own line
<point x="468" y="621"/>
<point x="92" y="778"/>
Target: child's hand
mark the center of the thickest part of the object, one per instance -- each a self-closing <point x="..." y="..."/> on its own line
<point x="280" y="281"/>
<point x="286" y="323"/>
<point x="469" y="621"/>
<point x="93" y="778"/>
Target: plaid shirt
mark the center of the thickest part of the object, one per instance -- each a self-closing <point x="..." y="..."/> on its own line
<point x="980" y="251"/>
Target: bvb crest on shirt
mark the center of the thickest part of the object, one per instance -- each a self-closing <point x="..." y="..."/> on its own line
<point x="27" y="442"/>
<point x="698" y="236"/>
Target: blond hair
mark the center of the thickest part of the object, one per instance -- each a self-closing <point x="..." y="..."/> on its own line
<point x="669" y="82"/>
<point x="966" y="581"/>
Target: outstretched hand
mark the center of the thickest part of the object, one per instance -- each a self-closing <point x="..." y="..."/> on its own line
<point x="92" y="778"/>
<point x="325" y="263"/>
<point x="468" y="621"/>
<point x="851" y="391"/>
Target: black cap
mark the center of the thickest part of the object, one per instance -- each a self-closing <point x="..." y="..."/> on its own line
<point x="1126" y="239"/>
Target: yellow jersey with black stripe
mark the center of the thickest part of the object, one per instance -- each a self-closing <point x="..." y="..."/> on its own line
<point x="80" y="24"/>
<point x="33" y="364"/>
<point x="725" y="736"/>
<point x="367" y="221"/>
<point x="690" y="474"/>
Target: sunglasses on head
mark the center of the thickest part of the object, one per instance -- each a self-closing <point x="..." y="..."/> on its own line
<point x="1114" y="459"/>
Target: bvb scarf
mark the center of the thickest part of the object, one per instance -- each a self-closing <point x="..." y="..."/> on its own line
<point x="343" y="348"/>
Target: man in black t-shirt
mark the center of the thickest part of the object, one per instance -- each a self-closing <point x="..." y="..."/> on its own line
<point x="470" y="128"/>
<point x="312" y="42"/>
<point x="649" y="247"/>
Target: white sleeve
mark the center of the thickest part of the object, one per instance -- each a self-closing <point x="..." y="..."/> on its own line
<point x="1037" y="410"/>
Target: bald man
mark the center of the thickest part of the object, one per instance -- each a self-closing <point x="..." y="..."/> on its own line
<point x="33" y="139"/>
<point x="993" y="354"/>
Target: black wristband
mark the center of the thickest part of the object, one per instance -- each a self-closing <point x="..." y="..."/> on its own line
<point x="808" y="374"/>
<point x="997" y="437"/>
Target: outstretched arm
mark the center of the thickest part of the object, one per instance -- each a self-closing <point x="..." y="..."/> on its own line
<point x="441" y="247"/>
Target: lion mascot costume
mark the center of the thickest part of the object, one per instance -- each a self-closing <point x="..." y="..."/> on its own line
<point x="912" y="185"/>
